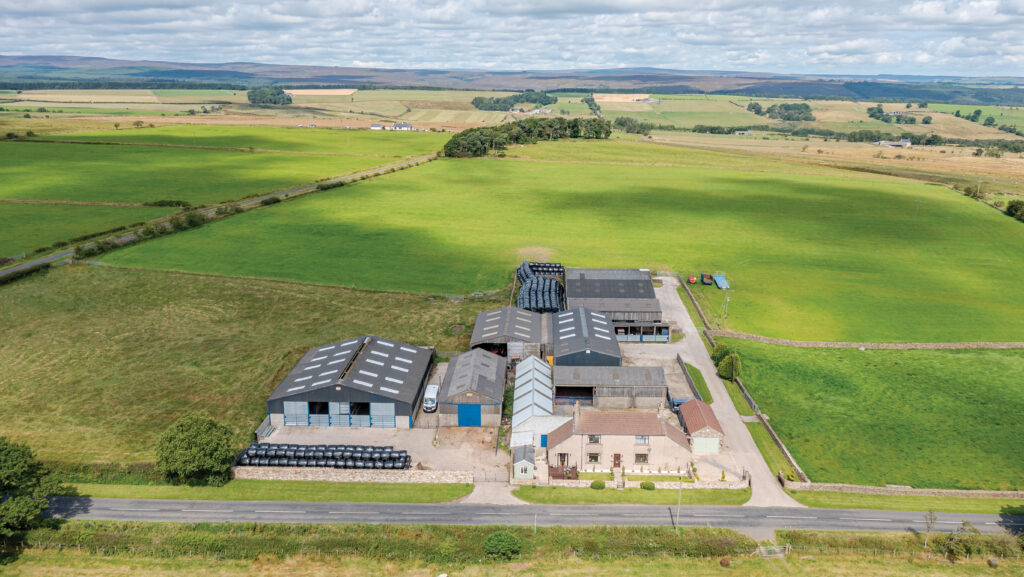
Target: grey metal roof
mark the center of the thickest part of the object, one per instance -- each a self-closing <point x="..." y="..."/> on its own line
<point x="372" y="364"/>
<point x="615" y="305"/>
<point x="583" y="329"/>
<point x="479" y="373"/>
<point x="533" y="392"/>
<point x="524" y="453"/>
<point x="507" y="324"/>
<point x="608" y="283"/>
<point x="609" y="376"/>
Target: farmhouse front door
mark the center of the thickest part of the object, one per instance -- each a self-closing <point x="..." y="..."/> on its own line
<point x="616" y="460"/>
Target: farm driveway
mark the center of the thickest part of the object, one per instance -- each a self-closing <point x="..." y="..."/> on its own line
<point x="766" y="491"/>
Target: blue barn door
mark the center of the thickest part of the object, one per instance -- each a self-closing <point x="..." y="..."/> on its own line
<point x="469" y="415"/>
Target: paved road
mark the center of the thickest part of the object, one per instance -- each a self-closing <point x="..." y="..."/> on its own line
<point x="746" y="519"/>
<point x="244" y="204"/>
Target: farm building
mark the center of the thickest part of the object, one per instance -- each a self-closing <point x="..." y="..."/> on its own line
<point x="625" y="295"/>
<point x="583" y="337"/>
<point x="702" y="427"/>
<point x="533" y="409"/>
<point x="523" y="460"/>
<point x="511" y="332"/>
<point x="362" y="382"/>
<point x="611" y="387"/>
<point x="376" y="127"/>
<point x="472" y="390"/>
<point x="632" y="440"/>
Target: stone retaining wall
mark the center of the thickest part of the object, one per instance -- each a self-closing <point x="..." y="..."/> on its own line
<point x="903" y="492"/>
<point x="351" y="475"/>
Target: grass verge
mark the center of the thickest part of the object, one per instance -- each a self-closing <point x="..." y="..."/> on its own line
<point x="773" y="456"/>
<point x="738" y="400"/>
<point x="578" y="496"/>
<point x="701" y="384"/>
<point x="312" y="491"/>
<point x="837" y="500"/>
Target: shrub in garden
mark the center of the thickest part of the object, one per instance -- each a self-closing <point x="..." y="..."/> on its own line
<point x="196" y="450"/>
<point x="647" y="485"/>
<point x="598" y="485"/>
<point x="503" y="545"/>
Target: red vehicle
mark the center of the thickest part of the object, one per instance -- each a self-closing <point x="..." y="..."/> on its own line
<point x="692" y="279"/>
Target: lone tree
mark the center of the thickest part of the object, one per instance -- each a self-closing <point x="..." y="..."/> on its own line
<point x="719" y="352"/>
<point x="269" y="96"/>
<point x="729" y="367"/>
<point x="196" y="450"/>
<point x="27" y="483"/>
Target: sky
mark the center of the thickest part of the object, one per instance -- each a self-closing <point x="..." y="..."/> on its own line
<point x="974" y="38"/>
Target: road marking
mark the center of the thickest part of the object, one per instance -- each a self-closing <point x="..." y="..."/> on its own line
<point x="207" y="511"/>
<point x="730" y="516"/>
<point x="949" y="522"/>
<point x="862" y="519"/>
<point x="573" y="514"/>
<point x="278" y="511"/>
<point x="788" y="517"/>
<point x="1007" y="524"/>
<point x="130" y="509"/>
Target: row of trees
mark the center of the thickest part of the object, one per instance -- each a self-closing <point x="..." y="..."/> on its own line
<point x="508" y="102"/>
<point x="788" y="111"/>
<point x="269" y="96"/>
<point x="485" y="140"/>
<point x="876" y="135"/>
<point x="633" y="126"/>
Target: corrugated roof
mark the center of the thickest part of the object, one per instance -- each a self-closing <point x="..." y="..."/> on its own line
<point x="619" y="423"/>
<point x="698" y="417"/>
<point x="320" y="367"/>
<point x="583" y="329"/>
<point x="608" y="283"/>
<point x="609" y="376"/>
<point x="533" y="392"/>
<point x="478" y="372"/>
<point x="507" y="324"/>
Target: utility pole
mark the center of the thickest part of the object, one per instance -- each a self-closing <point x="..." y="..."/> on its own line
<point x="679" y="502"/>
<point x="725" y="319"/>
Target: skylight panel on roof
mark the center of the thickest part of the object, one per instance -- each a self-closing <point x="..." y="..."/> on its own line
<point x="403" y="360"/>
<point x="389" y="390"/>
<point x="397" y="368"/>
<point x="489" y="335"/>
<point x="345" y="352"/>
<point x="322" y="349"/>
<point x="325" y="373"/>
<point x="394" y="380"/>
<point x="299" y="380"/>
<point x="336" y="362"/>
<point x="296" y="388"/>
<point x="367" y="373"/>
<point x="567" y="336"/>
<point x="311" y="367"/>
<point x="378" y="363"/>
<point x="323" y="382"/>
<point x="386" y="344"/>
<point x="408" y="350"/>
<point x="318" y="359"/>
<point x="380" y="354"/>
<point x="363" y="383"/>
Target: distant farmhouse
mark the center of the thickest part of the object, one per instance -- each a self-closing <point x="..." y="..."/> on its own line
<point x="901" y="143"/>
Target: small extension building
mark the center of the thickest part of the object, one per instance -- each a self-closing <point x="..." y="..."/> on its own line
<point x="472" y="390"/>
<point x="611" y="387"/>
<point x="625" y="295"/>
<point x="583" y="337"/>
<point x="362" y="382"/>
<point x="702" y="427"/>
<point x="533" y="415"/>
<point x="510" y="332"/>
<point x="604" y="440"/>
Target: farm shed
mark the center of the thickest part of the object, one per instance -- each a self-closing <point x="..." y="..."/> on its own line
<point x="632" y="440"/>
<point x="362" y="382"/>
<point x="472" y="390"/>
<point x="702" y="427"/>
<point x="533" y="409"/>
<point x="625" y="295"/>
<point x="582" y="337"/>
<point x="523" y="459"/>
<point x="611" y="387"/>
<point x="510" y="331"/>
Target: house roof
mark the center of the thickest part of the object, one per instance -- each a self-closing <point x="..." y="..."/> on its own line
<point x="372" y="364"/>
<point x="524" y="453"/>
<point x="698" y="417"/>
<point x="563" y="432"/>
<point x="619" y="423"/>
<point x="609" y="376"/>
<point x="583" y="329"/>
<point x="478" y="373"/>
<point x="507" y="324"/>
<point x="533" y="392"/>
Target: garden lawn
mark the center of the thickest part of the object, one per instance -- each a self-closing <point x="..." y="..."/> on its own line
<point x="357" y="142"/>
<point x="935" y="419"/>
<point x="586" y="495"/>
<point x="139" y="174"/>
<point x="308" y="491"/>
<point x="831" y="256"/>
<point x="98" y="361"/>
<point x="25" y="227"/>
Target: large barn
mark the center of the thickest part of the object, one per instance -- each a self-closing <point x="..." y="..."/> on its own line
<point x="582" y="337"/>
<point x="611" y="387"/>
<point x="533" y="408"/>
<point x="510" y="331"/>
<point x="361" y="382"/>
<point x="472" y="390"/>
<point x="625" y="295"/>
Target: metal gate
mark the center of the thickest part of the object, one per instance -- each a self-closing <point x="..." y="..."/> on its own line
<point x="469" y="415"/>
<point x="382" y="415"/>
<point x="339" y="414"/>
<point x="296" y="413"/>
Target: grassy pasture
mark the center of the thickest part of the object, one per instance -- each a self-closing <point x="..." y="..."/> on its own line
<point x="937" y="419"/>
<point x="686" y="113"/>
<point x="98" y="361"/>
<point x="137" y="174"/>
<point x="349" y="142"/>
<point x="1013" y="115"/>
<point x="831" y="256"/>
<point x="307" y="491"/>
<point x="837" y="500"/>
<point x="24" y="227"/>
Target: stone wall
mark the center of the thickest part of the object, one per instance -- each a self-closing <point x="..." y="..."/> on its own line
<point x="351" y="475"/>
<point x="904" y="492"/>
<point x="610" y="485"/>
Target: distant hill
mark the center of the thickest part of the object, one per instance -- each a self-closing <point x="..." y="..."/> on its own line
<point x="25" y="72"/>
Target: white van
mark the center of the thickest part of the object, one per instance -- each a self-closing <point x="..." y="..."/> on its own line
<point x="430" y="398"/>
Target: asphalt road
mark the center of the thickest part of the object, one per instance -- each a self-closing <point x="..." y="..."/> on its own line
<point x="746" y="519"/>
<point x="244" y="204"/>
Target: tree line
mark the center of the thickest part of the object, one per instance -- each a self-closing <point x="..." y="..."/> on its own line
<point x="487" y="139"/>
<point x="509" y="102"/>
<point x="269" y="96"/>
<point x="787" y="111"/>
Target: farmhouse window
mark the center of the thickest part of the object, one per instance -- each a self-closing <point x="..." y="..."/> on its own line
<point x="594" y="439"/>
<point x="642" y="439"/>
<point x="593" y="457"/>
<point x="641" y="458"/>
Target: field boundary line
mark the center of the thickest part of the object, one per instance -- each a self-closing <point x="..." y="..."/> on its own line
<point x="874" y="346"/>
<point x="899" y="491"/>
<point x="204" y="147"/>
<point x="73" y="202"/>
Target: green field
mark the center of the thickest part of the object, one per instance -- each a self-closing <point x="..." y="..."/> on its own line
<point x="25" y="227"/>
<point x="585" y="495"/>
<point x="685" y="113"/>
<point x="834" y="256"/>
<point x="306" y="491"/>
<point x="354" y="142"/>
<point x="98" y="361"/>
<point x="936" y="419"/>
<point x="837" y="500"/>
<point x="1013" y="115"/>
<point x="137" y="174"/>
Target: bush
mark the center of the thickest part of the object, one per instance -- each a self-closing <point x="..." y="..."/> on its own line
<point x="503" y="545"/>
<point x="1015" y="208"/>
<point x="719" y="352"/>
<point x="181" y="203"/>
<point x="729" y="367"/>
<point x="30" y="134"/>
<point x="597" y="485"/>
<point x="270" y="200"/>
<point x="647" y="485"/>
<point x="196" y="450"/>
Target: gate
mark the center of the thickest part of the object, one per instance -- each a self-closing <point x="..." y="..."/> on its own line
<point x="382" y="415"/>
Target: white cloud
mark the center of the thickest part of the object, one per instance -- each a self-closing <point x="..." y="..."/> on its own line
<point x="975" y="37"/>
